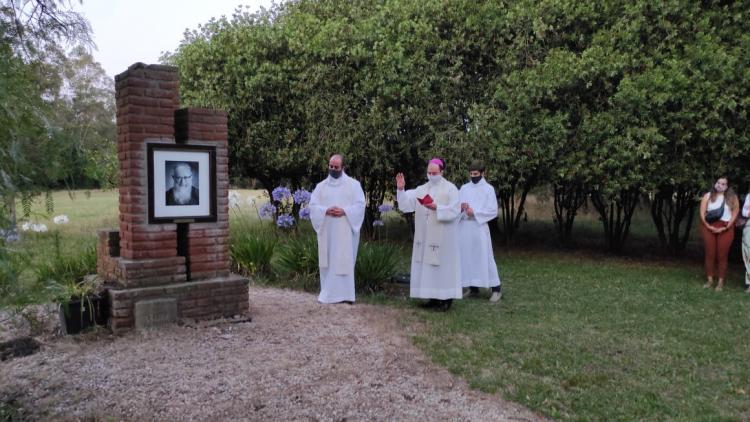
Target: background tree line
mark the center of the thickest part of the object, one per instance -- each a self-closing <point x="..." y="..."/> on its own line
<point x="57" y="110"/>
<point x="611" y="101"/>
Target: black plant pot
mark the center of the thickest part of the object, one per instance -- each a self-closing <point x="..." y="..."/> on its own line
<point x="80" y="314"/>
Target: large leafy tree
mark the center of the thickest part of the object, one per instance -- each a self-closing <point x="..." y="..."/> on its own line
<point x="528" y="127"/>
<point x="84" y="122"/>
<point x="607" y="101"/>
<point x="682" y="90"/>
<point x="381" y="86"/>
<point x="33" y="36"/>
<point x="23" y="137"/>
<point x="645" y="90"/>
<point x="247" y="66"/>
<point x="311" y="78"/>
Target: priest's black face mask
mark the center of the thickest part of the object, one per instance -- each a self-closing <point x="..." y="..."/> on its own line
<point x="335" y="169"/>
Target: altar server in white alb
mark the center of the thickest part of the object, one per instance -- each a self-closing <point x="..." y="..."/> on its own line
<point x="337" y="209"/>
<point x="478" y="206"/>
<point x="435" y="262"/>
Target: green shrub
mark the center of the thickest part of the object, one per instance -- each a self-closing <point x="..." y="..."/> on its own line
<point x="10" y="271"/>
<point x="64" y="276"/>
<point x="15" y="291"/>
<point x="252" y="252"/>
<point x="297" y="258"/>
<point x="67" y="270"/>
<point x="376" y="264"/>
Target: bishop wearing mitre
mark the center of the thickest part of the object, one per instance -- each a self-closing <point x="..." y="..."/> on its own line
<point x="435" y="260"/>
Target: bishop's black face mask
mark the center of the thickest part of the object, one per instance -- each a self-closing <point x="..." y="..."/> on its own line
<point x="475" y="179"/>
<point x="334" y="173"/>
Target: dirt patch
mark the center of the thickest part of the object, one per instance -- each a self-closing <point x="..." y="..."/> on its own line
<point x="21" y="346"/>
<point x="296" y="360"/>
<point x="39" y="321"/>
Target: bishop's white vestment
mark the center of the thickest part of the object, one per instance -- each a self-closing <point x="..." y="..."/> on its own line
<point x="478" y="268"/>
<point x="435" y="262"/>
<point x="338" y="237"/>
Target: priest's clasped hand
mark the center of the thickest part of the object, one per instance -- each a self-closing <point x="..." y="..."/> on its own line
<point x="335" y="212"/>
<point x="431" y="206"/>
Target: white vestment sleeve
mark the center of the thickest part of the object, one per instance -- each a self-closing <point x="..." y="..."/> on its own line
<point x="317" y="211"/>
<point x="452" y="210"/>
<point x="407" y="200"/>
<point x="355" y="212"/>
<point x="486" y="209"/>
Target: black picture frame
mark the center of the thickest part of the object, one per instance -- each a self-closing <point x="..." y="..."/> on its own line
<point x="184" y="163"/>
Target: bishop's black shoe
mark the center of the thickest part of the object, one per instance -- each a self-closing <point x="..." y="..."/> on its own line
<point x="444" y="305"/>
<point x="471" y="293"/>
<point x="430" y="304"/>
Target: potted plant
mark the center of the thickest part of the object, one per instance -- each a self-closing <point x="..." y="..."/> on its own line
<point x="80" y="295"/>
<point x="83" y="304"/>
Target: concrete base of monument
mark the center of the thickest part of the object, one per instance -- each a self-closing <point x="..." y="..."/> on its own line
<point x="150" y="307"/>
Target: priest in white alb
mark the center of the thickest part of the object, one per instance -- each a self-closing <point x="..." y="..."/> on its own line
<point x="478" y="206"/>
<point x="435" y="261"/>
<point x="337" y="209"/>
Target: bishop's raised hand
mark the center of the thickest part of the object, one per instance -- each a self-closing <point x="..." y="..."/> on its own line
<point x="400" y="181"/>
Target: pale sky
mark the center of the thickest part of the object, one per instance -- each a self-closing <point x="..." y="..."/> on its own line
<point x="130" y="31"/>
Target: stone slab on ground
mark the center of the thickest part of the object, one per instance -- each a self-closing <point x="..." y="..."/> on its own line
<point x="216" y="297"/>
<point x="296" y="360"/>
<point x="154" y="313"/>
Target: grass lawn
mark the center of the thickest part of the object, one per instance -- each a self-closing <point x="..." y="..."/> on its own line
<point x="602" y="339"/>
<point x="87" y="211"/>
<point x="578" y="335"/>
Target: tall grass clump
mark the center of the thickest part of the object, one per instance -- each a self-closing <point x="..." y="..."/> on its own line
<point x="252" y="251"/>
<point x="66" y="270"/>
<point x="376" y="264"/>
<point x="64" y="276"/>
<point x="15" y="290"/>
<point x="297" y="259"/>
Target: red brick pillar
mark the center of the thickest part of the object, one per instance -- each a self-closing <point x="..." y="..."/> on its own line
<point x="147" y="96"/>
<point x="208" y="243"/>
<point x="151" y="286"/>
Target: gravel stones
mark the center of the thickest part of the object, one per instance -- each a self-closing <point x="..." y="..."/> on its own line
<point x="296" y="360"/>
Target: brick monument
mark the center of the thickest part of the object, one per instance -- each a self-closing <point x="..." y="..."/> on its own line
<point x="164" y="271"/>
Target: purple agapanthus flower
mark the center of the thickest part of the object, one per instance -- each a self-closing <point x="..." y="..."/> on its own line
<point x="267" y="210"/>
<point x="304" y="213"/>
<point x="301" y="196"/>
<point x="285" y="221"/>
<point x="378" y="223"/>
<point x="281" y="193"/>
<point x="384" y="208"/>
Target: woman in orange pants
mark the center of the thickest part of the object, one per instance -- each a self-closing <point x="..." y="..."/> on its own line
<point x="719" y="209"/>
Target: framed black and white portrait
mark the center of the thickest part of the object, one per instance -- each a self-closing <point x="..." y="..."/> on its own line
<point x="181" y="183"/>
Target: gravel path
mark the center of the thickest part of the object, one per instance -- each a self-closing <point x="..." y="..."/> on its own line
<point x="297" y="360"/>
